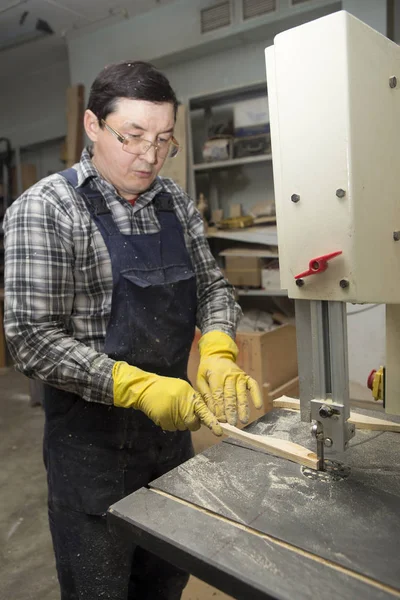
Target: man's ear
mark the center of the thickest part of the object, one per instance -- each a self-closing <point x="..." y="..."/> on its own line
<point x="91" y="124"/>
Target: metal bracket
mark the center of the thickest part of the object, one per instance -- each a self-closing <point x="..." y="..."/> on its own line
<point x="333" y="429"/>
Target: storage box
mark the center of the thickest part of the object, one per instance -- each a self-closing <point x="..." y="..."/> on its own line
<point x="249" y="113"/>
<point x="243" y="271"/>
<point x="270" y="279"/>
<point x="252" y="145"/>
<point x="216" y="149"/>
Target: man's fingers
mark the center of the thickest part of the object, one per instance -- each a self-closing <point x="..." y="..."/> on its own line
<point x="193" y="422"/>
<point x="204" y="389"/>
<point x="206" y="416"/>
<point x="230" y="400"/>
<point x="255" y="393"/>
<point x="242" y="401"/>
<point x="215" y="383"/>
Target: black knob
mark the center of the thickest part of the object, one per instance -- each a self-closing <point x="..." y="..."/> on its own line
<point x="325" y="411"/>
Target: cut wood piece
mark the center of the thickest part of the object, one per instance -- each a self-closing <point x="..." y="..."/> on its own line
<point x="275" y="446"/>
<point x="372" y="423"/>
<point x="359" y="420"/>
<point x="286" y="402"/>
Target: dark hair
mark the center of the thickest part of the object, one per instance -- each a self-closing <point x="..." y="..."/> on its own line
<point x="137" y="80"/>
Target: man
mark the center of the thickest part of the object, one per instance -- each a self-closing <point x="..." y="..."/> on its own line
<point x="107" y="272"/>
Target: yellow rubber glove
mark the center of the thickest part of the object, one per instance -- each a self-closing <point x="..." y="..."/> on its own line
<point x="169" y="402"/>
<point x="223" y="384"/>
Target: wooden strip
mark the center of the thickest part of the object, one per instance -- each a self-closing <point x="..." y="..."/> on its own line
<point x="360" y="421"/>
<point x="275" y="446"/>
<point x="75" y="129"/>
<point x="372" y="423"/>
<point x="3" y="352"/>
<point x="319" y="559"/>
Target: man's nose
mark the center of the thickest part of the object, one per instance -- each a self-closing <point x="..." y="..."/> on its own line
<point x="151" y="155"/>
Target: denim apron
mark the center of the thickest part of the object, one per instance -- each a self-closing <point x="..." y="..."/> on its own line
<point x="96" y="454"/>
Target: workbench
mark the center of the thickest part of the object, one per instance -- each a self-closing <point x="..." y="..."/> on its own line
<point x="259" y="527"/>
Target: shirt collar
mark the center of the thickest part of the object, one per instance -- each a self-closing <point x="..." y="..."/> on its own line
<point x="87" y="171"/>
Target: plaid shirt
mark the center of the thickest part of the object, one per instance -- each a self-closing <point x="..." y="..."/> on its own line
<point x="58" y="279"/>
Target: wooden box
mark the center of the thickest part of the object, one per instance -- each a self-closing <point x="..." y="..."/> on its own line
<point x="28" y="178"/>
<point x="244" y="271"/>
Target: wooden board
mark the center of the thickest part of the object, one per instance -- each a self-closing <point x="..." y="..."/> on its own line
<point x="176" y="168"/>
<point x="2" y="336"/>
<point x="360" y="421"/>
<point x="275" y="446"/>
<point x="372" y="423"/>
<point x="75" y="111"/>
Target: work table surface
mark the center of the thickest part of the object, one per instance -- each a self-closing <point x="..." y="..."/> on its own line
<point x="257" y="526"/>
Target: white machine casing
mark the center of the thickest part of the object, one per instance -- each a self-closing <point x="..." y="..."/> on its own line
<point x="335" y="125"/>
<point x="334" y="101"/>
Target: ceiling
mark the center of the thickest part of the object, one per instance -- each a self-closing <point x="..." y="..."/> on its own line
<point x="18" y="19"/>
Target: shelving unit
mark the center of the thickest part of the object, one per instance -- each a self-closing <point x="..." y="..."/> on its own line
<point x="262" y="292"/>
<point x="233" y="162"/>
<point x="244" y="180"/>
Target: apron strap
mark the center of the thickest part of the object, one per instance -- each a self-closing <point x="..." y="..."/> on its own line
<point x="94" y="201"/>
<point x="163" y="204"/>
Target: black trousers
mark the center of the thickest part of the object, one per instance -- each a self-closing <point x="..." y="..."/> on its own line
<point x="95" y="455"/>
<point x="93" y="564"/>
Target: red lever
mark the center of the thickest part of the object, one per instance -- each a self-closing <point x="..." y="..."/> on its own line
<point x="317" y="265"/>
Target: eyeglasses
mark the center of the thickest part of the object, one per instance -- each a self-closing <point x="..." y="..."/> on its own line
<point x="137" y="145"/>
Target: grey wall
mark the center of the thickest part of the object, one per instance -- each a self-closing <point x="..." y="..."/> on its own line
<point x="33" y="105"/>
<point x="171" y="35"/>
<point x="397" y="21"/>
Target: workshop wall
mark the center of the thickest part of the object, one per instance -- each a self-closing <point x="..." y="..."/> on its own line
<point x="397" y="21"/>
<point x="172" y="35"/>
<point x="33" y="105"/>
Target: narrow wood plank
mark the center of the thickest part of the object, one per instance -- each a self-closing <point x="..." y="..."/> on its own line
<point x="75" y="129"/>
<point x="372" y="423"/>
<point x="275" y="446"/>
<point x="3" y="352"/>
<point x="360" y="421"/>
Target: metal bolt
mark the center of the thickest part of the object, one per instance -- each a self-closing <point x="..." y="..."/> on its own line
<point x="325" y="411"/>
<point x="396" y="236"/>
<point x="340" y="193"/>
<point x="295" y="198"/>
<point x="344" y="283"/>
<point x="314" y="430"/>
<point x="392" y="82"/>
<point x="328" y="442"/>
<point x="299" y="282"/>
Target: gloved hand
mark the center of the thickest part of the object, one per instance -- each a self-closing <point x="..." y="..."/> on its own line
<point x="222" y="384"/>
<point x="169" y="402"/>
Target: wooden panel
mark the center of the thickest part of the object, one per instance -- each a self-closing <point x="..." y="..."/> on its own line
<point x="176" y="168"/>
<point x="2" y="336"/>
<point x="75" y="130"/>
<point x="28" y="178"/>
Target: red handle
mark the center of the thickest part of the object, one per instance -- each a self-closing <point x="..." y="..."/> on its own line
<point x="317" y="265"/>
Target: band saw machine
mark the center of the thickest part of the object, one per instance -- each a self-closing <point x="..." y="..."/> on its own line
<point x="249" y="519"/>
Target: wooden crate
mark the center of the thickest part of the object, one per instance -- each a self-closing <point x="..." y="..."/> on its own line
<point x="28" y="178"/>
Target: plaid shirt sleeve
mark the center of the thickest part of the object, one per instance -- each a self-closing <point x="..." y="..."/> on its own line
<point x="39" y="296"/>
